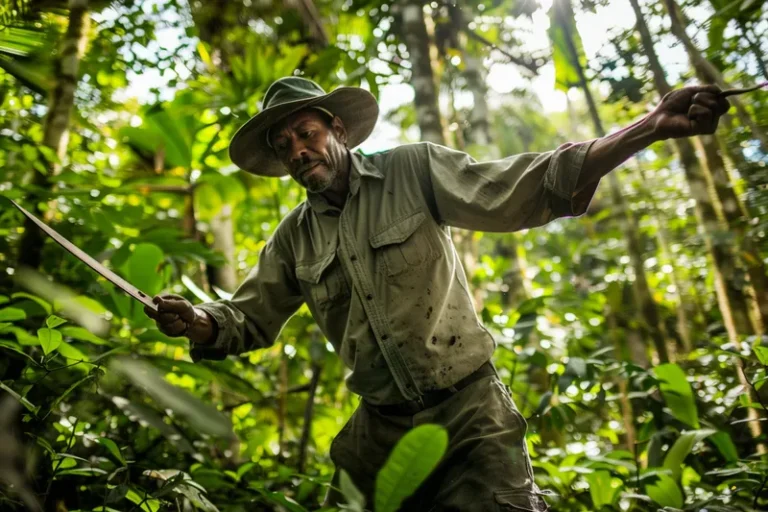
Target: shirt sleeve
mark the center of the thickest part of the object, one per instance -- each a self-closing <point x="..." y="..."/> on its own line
<point x="518" y="192"/>
<point x="258" y="309"/>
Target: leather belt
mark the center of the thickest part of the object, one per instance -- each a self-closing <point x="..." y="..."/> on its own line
<point x="433" y="398"/>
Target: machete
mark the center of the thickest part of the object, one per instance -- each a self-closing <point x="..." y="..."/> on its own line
<point x="95" y="265"/>
<point x="731" y="92"/>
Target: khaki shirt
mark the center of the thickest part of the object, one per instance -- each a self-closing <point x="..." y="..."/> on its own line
<point x="381" y="276"/>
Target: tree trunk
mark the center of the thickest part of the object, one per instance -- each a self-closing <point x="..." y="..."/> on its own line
<point x="648" y="309"/>
<point x="733" y="304"/>
<point x="225" y="276"/>
<point x="414" y="33"/>
<point x="736" y="217"/>
<point x="56" y="125"/>
<point x="707" y="71"/>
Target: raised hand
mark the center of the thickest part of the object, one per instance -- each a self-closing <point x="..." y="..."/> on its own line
<point x="689" y="111"/>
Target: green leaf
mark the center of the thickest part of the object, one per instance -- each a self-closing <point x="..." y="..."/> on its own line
<point x="142" y="268"/>
<point x="50" y="339"/>
<point x="202" y="416"/>
<point x="54" y="321"/>
<point x="82" y="334"/>
<point x="600" y="488"/>
<point x="411" y="461"/>
<point x="677" y="393"/>
<point x="680" y="450"/>
<point x="113" y="449"/>
<point x="665" y="492"/>
<point x="12" y="314"/>
<point x="38" y="300"/>
<point x="148" y="505"/>
<point x="355" y="498"/>
<point x="565" y="40"/>
<point x="762" y="354"/>
<point x="280" y="499"/>
<point x="724" y="443"/>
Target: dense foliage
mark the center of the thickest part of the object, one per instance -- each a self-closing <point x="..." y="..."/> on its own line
<point x="632" y="337"/>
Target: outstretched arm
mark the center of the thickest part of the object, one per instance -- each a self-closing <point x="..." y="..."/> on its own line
<point x="681" y="113"/>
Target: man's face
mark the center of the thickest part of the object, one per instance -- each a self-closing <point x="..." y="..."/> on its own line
<point x="311" y="148"/>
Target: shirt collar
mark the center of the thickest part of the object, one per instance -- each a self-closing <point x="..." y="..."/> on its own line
<point x="360" y="167"/>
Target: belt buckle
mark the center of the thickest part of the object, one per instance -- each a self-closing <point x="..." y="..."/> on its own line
<point x="420" y="400"/>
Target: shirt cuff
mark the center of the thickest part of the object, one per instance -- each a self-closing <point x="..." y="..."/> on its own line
<point x="218" y="350"/>
<point x="562" y="176"/>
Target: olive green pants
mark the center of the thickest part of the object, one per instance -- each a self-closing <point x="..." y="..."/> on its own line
<point x="485" y="469"/>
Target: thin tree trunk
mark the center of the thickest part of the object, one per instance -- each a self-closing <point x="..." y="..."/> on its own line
<point x="225" y="276"/>
<point x="736" y="217"/>
<point x="306" y="432"/>
<point x="414" y="33"/>
<point x="708" y="71"/>
<point x="647" y="305"/>
<point x="57" y="120"/>
<point x="733" y="305"/>
<point x="282" y="396"/>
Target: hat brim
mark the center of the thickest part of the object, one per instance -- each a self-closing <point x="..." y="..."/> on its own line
<point x="249" y="150"/>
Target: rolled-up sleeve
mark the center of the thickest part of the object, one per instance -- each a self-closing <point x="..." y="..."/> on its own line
<point x="258" y="309"/>
<point x="510" y="194"/>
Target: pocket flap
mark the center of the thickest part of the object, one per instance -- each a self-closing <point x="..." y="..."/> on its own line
<point x="399" y="231"/>
<point x="312" y="271"/>
<point x="521" y="499"/>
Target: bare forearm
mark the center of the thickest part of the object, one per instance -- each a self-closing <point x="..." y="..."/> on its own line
<point x="608" y="152"/>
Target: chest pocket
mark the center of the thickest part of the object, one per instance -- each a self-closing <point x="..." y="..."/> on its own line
<point x="405" y="245"/>
<point x="324" y="279"/>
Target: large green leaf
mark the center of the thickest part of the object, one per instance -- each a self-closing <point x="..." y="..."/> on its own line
<point x="565" y="40"/>
<point x="665" y="492"/>
<point x="50" y="339"/>
<point x="202" y="416"/>
<point x="142" y="268"/>
<point x="600" y="489"/>
<point x="677" y="393"/>
<point x="680" y="450"/>
<point x="411" y="461"/>
<point x="12" y="314"/>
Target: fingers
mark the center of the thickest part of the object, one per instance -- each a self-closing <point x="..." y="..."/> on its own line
<point x="718" y="104"/>
<point x="176" y="328"/>
<point x="703" y="119"/>
<point x="175" y="304"/>
<point x="174" y="314"/>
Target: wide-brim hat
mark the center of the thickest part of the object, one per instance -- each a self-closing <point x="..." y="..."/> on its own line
<point x="249" y="148"/>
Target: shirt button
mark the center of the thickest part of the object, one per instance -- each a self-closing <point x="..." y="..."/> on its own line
<point x="353" y="258"/>
<point x="369" y="297"/>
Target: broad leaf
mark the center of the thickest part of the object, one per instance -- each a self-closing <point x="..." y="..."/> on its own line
<point x="567" y="50"/>
<point x="54" y="321"/>
<point x="677" y="393"/>
<point x="600" y="489"/>
<point x="201" y="415"/>
<point x="113" y="449"/>
<point x="411" y="461"/>
<point x="680" y="450"/>
<point x="665" y="492"/>
<point x="50" y="339"/>
<point x="12" y="314"/>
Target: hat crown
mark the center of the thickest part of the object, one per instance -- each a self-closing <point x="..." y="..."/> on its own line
<point x="289" y="89"/>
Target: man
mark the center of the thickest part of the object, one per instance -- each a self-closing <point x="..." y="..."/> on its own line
<point x="370" y="253"/>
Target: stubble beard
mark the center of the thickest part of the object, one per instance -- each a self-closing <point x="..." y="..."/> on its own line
<point x="320" y="182"/>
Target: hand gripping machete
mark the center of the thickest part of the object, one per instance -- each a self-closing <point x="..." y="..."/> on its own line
<point x="95" y="265"/>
